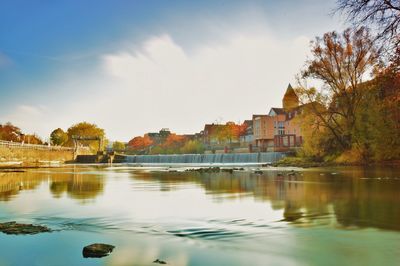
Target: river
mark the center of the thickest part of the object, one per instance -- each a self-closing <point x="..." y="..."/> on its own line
<point x="335" y="216"/>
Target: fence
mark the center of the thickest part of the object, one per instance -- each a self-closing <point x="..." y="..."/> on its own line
<point x="22" y="145"/>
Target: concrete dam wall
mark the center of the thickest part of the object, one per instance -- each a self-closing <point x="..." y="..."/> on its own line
<point x="193" y="159"/>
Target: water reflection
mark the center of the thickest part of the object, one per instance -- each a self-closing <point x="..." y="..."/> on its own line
<point x="345" y="197"/>
<point x="73" y="183"/>
<point x="192" y="218"/>
<point x="353" y="197"/>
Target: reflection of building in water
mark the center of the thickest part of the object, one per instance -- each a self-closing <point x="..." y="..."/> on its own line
<point x="309" y="199"/>
<point x="75" y="185"/>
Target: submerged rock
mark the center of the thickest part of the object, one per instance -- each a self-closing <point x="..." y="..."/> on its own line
<point x="14" y="228"/>
<point x="97" y="250"/>
<point x="205" y="170"/>
<point x="159" y="261"/>
<point x="228" y="170"/>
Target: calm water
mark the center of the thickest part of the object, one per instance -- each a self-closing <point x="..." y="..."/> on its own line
<point x="317" y="217"/>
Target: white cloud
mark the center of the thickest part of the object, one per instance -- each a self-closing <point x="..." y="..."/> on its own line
<point x="162" y="85"/>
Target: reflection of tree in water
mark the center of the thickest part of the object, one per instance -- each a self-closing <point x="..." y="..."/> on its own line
<point x="12" y="183"/>
<point x="75" y="185"/>
<point x="369" y="203"/>
<point x="311" y="198"/>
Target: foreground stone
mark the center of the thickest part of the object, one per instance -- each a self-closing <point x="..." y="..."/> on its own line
<point x="97" y="250"/>
<point x="159" y="261"/>
<point x="14" y="228"/>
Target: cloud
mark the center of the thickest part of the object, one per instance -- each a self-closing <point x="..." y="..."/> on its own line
<point x="160" y="84"/>
<point x="28" y="117"/>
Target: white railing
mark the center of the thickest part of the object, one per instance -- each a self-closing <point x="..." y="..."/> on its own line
<point x="22" y="145"/>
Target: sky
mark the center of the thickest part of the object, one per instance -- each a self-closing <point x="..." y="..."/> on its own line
<point x="133" y="67"/>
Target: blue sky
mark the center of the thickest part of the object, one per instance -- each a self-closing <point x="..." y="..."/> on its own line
<point x="147" y="62"/>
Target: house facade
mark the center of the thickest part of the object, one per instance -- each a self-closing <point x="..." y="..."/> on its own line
<point x="279" y="130"/>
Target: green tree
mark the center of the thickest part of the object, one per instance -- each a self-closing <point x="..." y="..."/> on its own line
<point x="192" y="146"/>
<point x="58" y="137"/>
<point x="118" y="146"/>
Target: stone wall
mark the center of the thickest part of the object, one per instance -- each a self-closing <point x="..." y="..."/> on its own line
<point x="14" y="154"/>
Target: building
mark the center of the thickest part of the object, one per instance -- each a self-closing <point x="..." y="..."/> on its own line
<point x="159" y="137"/>
<point x="210" y="136"/>
<point x="278" y="130"/>
<point x="248" y="137"/>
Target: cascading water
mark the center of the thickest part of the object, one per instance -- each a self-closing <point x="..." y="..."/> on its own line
<point x="206" y="159"/>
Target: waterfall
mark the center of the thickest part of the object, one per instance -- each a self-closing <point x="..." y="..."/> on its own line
<point x="206" y="159"/>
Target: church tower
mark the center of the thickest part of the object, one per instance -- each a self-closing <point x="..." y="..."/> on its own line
<point x="290" y="100"/>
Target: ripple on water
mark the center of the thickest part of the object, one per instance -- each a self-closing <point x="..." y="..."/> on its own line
<point x="208" y="233"/>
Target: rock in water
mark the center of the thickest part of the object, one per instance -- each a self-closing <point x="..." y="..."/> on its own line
<point x="97" y="250"/>
<point x="159" y="261"/>
<point x="14" y="228"/>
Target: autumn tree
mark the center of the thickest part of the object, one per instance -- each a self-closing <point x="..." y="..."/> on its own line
<point x="227" y="133"/>
<point x="9" y="132"/>
<point x="340" y="62"/>
<point x="58" y="137"/>
<point x="89" y="130"/>
<point x="32" y="139"/>
<point x="379" y="118"/>
<point x="140" y="143"/>
<point x="173" y="143"/>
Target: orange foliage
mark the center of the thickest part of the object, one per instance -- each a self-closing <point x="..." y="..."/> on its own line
<point x="32" y="139"/>
<point x="140" y="143"/>
<point x="10" y="132"/>
<point x="173" y="140"/>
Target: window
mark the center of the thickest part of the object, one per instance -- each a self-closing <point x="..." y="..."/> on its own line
<point x="285" y="141"/>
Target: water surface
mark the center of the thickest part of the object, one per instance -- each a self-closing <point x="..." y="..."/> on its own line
<point x="342" y="216"/>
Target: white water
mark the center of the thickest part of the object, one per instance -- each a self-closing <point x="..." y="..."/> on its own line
<point x="207" y="159"/>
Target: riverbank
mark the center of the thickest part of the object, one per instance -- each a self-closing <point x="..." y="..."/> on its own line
<point x="307" y="163"/>
<point x="33" y="154"/>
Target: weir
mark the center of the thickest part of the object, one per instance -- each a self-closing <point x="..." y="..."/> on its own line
<point x="205" y="159"/>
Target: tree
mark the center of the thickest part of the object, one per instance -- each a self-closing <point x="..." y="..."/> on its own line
<point x="193" y="147"/>
<point x="118" y="146"/>
<point x="173" y="143"/>
<point x="384" y="14"/>
<point x="9" y="132"/>
<point x="87" y="129"/>
<point x="32" y="139"/>
<point x="140" y="143"/>
<point x="226" y="133"/>
<point x="58" y="137"/>
<point x="340" y="61"/>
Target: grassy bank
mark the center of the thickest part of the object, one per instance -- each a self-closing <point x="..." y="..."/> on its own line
<point x="297" y="161"/>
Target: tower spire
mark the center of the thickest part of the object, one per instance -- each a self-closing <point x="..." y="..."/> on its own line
<point x="290" y="99"/>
